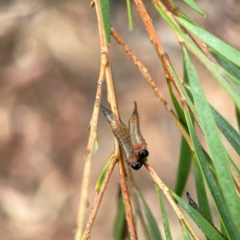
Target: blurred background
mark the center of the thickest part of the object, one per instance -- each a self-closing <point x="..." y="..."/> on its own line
<point x="49" y="66"/>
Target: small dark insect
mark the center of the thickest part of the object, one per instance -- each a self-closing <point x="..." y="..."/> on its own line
<point x="138" y="142"/>
<point x="193" y="204"/>
<point x="123" y="138"/>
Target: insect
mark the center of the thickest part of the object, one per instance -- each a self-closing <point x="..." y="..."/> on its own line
<point x="130" y="155"/>
<point x="193" y="204"/>
<point x="138" y="142"/>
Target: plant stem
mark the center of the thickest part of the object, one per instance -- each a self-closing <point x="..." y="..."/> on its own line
<point x="98" y="200"/>
<point x="167" y="194"/>
<point x="89" y="151"/>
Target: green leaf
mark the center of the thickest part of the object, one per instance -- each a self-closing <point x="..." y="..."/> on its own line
<point x="190" y="104"/>
<point x="184" y="162"/>
<point x="184" y="165"/>
<point x="223" y="230"/>
<point x="119" y="222"/>
<point x="129" y="10"/>
<point x="217" y="151"/>
<point x="103" y="174"/>
<point x="215" y="43"/>
<point x="105" y="13"/>
<point x="201" y="192"/>
<point x="164" y="215"/>
<point x="227" y="129"/>
<point x="211" y="181"/>
<point x="218" y="72"/>
<point x="229" y="66"/>
<point x="210" y="231"/>
<point x="176" y="105"/>
<point x="152" y="223"/>
<point x="194" y="6"/>
<point x="185" y="232"/>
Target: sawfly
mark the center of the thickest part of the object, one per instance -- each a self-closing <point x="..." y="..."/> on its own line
<point x="132" y="144"/>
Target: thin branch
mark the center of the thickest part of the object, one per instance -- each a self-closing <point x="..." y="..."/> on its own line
<point x="163" y="56"/>
<point x="136" y="202"/>
<point x="167" y="194"/>
<point x="98" y="200"/>
<point x="89" y="151"/>
<point x="113" y="104"/>
<point x="127" y="202"/>
<point x="201" y="45"/>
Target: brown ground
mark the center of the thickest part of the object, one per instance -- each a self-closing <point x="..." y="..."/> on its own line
<point x="49" y="65"/>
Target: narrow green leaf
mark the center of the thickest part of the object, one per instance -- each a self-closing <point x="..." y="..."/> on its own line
<point x="152" y="223"/>
<point x="105" y="13"/>
<point x="227" y="129"/>
<point x="223" y="77"/>
<point x="186" y="235"/>
<point x="211" y="181"/>
<point x="176" y="105"/>
<point x="223" y="230"/>
<point x="129" y="10"/>
<point x="201" y="192"/>
<point x="184" y="162"/>
<point x="218" y="72"/>
<point x="210" y="231"/>
<point x="194" y="6"/>
<point x="119" y="222"/>
<point x="184" y="165"/>
<point x="190" y="104"/>
<point x="164" y="216"/>
<point x="217" y="151"/>
<point x="215" y="43"/>
<point x="229" y="66"/>
<point x="103" y="174"/>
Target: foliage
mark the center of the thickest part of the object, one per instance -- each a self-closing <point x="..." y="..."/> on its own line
<point x="214" y="169"/>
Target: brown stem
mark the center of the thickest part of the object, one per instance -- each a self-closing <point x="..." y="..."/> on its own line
<point x="202" y="46"/>
<point x="163" y="56"/>
<point x="89" y="151"/>
<point x="137" y="208"/>
<point x="98" y="200"/>
<point x="113" y="104"/>
<point x="127" y="202"/>
<point x="167" y="194"/>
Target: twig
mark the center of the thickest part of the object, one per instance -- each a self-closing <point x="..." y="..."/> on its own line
<point x="201" y="45"/>
<point x="137" y="205"/>
<point x="98" y="200"/>
<point x="167" y="194"/>
<point x="113" y="104"/>
<point x="127" y="202"/>
<point x="163" y="56"/>
<point x="89" y="150"/>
